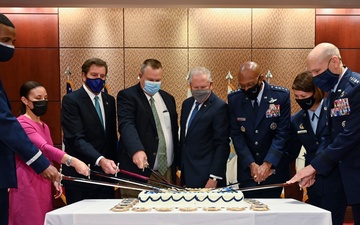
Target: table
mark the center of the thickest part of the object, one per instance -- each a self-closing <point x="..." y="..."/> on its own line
<point x="96" y="212"/>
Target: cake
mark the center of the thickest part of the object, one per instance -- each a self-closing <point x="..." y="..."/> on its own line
<point x="185" y="198"/>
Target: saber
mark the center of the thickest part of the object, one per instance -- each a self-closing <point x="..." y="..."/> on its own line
<point x="87" y="181"/>
<point x="262" y="187"/>
<point x="137" y="176"/>
<point x="96" y="173"/>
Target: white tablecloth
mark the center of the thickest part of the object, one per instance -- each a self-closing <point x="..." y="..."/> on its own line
<point x="96" y="212"/>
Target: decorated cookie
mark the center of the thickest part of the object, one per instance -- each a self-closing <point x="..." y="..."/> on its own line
<point x="141" y="209"/>
<point x="188" y="209"/>
<point x="211" y="208"/>
<point x="235" y="208"/>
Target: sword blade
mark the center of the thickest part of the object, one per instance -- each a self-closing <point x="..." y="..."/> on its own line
<point x="102" y="183"/>
<point x="262" y="187"/>
<point x="96" y="173"/>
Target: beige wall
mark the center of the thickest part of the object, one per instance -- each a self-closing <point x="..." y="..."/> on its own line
<point x="220" y="39"/>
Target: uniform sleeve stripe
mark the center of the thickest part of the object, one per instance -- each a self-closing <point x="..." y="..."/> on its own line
<point x="34" y="158"/>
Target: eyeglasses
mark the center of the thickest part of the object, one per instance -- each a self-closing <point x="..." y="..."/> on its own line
<point x="249" y="85"/>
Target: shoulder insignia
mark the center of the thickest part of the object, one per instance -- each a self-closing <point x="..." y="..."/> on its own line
<point x="279" y="88"/>
<point x="354" y="80"/>
<point x="235" y="91"/>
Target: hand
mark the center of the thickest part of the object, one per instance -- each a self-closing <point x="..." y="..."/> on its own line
<point x="254" y="171"/>
<point x="51" y="173"/>
<point x="108" y="166"/>
<point x="58" y="189"/>
<point x="211" y="183"/>
<point x="305" y="177"/>
<point x="263" y="171"/>
<point x="140" y="159"/>
<point x="80" y="166"/>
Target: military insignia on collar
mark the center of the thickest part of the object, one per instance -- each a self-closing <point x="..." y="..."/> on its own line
<point x="273" y="126"/>
<point x="301" y="126"/>
<point x="272" y="100"/>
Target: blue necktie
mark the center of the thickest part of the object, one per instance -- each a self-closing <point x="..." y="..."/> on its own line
<point x="256" y="107"/>
<point x="193" y="114"/>
<point x="98" y="110"/>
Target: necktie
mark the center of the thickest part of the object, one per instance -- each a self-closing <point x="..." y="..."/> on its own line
<point x="313" y="117"/>
<point x="256" y="107"/>
<point x="161" y="152"/>
<point x="193" y="114"/>
<point x="98" y="110"/>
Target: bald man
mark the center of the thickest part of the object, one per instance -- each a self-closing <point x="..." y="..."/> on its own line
<point x="343" y="103"/>
<point x="260" y="126"/>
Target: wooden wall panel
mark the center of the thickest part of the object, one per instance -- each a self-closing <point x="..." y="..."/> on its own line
<point x="350" y="58"/>
<point x="34" y="30"/>
<point x="38" y="64"/>
<point x="343" y="31"/>
<point x="28" y="10"/>
<point x="338" y="11"/>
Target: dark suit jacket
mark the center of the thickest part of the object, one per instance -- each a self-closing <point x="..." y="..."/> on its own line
<point x="137" y="127"/>
<point x="84" y="135"/>
<point x="261" y="139"/>
<point x="13" y="139"/>
<point x="345" y="138"/>
<point x="205" y="148"/>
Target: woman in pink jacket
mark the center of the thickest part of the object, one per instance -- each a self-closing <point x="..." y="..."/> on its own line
<point x="32" y="199"/>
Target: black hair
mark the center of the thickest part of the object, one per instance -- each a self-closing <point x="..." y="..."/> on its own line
<point x="4" y="20"/>
<point x="25" y="90"/>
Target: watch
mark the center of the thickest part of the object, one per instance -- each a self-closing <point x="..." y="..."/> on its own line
<point x="68" y="162"/>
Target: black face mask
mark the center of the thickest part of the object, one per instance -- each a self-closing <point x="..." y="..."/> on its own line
<point x="253" y="92"/>
<point x="40" y="107"/>
<point x="306" y="103"/>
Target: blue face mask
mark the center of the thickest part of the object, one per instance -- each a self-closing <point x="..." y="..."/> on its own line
<point x="95" y="85"/>
<point x="326" y="80"/>
<point x="151" y="87"/>
<point x="6" y="52"/>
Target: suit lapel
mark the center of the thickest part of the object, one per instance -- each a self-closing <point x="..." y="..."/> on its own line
<point x="322" y="122"/>
<point x="264" y="104"/>
<point x="90" y="106"/>
<point x="145" y="102"/>
<point x="204" y="107"/>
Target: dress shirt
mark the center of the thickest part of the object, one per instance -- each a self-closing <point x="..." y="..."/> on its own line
<point x="165" y="121"/>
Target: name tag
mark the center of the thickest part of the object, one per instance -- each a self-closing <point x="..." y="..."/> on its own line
<point x="302" y="131"/>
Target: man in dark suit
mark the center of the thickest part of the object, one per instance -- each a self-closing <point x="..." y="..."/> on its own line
<point x="260" y="126"/>
<point x="307" y="127"/>
<point x="343" y="115"/>
<point x="204" y="135"/>
<point x="144" y="139"/>
<point x="12" y="137"/>
<point x="88" y="119"/>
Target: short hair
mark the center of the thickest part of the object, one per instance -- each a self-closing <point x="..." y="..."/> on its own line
<point x="199" y="70"/>
<point x="4" y="20"/>
<point x="25" y="90"/>
<point x="153" y="63"/>
<point x="93" y="61"/>
<point x="304" y="82"/>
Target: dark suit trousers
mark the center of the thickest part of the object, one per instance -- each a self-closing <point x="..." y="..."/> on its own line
<point x="4" y="206"/>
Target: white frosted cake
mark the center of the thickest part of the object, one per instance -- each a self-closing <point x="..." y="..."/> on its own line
<point x="225" y="197"/>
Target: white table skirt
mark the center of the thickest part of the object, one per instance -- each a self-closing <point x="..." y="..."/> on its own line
<point x="96" y="212"/>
